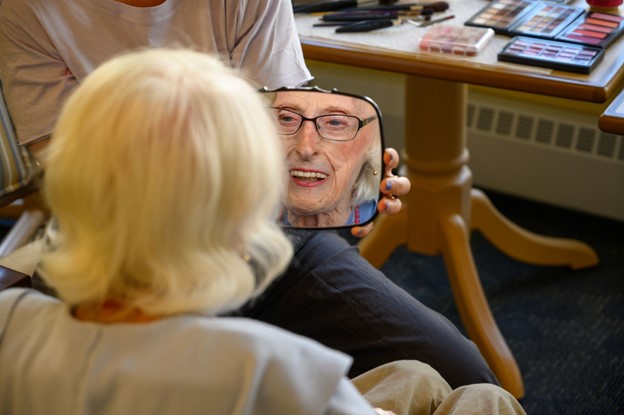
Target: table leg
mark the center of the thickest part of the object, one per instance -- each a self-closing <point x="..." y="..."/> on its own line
<point x="442" y="208"/>
<point x="523" y="245"/>
<point x="473" y="307"/>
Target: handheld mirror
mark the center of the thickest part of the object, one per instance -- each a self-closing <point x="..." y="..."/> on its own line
<point x="333" y="143"/>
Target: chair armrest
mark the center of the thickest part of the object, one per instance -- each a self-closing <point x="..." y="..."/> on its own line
<point x="10" y="278"/>
<point x="22" y="231"/>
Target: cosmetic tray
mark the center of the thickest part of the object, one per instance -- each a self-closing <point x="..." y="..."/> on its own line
<point x="552" y="54"/>
<point x="458" y="40"/>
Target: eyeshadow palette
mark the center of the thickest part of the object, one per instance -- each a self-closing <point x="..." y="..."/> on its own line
<point x="458" y="40"/>
<point x="594" y="28"/>
<point x="526" y="17"/>
<point x="546" y="20"/>
<point x="500" y="15"/>
<point x="551" y="54"/>
<point x="557" y="1"/>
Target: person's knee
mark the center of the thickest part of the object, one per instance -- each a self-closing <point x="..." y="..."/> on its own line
<point x="480" y="399"/>
<point x="404" y="387"/>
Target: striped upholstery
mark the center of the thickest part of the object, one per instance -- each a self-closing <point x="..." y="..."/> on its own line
<point x="15" y="168"/>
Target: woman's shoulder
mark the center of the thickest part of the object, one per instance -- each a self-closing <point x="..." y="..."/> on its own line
<point x="267" y="340"/>
<point x="33" y="305"/>
<point x="250" y="359"/>
<point x="288" y="354"/>
<point x="11" y="296"/>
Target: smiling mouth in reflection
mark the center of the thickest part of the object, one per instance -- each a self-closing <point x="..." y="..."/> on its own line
<point x="307" y="177"/>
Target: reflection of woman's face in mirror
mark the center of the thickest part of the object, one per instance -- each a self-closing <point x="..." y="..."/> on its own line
<point x="323" y="172"/>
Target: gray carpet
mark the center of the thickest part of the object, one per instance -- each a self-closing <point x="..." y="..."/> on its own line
<point x="565" y="328"/>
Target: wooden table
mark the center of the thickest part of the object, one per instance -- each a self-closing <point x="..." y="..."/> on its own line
<point x="442" y="208"/>
<point x="612" y="120"/>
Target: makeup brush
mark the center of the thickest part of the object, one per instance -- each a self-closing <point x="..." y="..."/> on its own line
<point x="370" y="25"/>
<point x="332" y="5"/>
<point x="412" y="19"/>
<point x="359" y="14"/>
<point x="325" y="6"/>
<point x="356" y="16"/>
<point x="438" y="6"/>
<point x="367" y="25"/>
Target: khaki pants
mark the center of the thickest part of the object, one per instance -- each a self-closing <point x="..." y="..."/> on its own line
<point x="409" y="387"/>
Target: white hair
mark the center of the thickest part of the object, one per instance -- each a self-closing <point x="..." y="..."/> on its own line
<point x="164" y="175"/>
<point x="366" y="185"/>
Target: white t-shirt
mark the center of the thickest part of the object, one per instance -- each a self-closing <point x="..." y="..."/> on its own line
<point x="53" y="364"/>
<point x="47" y="47"/>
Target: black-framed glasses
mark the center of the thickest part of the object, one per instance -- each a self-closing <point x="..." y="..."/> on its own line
<point x="334" y="127"/>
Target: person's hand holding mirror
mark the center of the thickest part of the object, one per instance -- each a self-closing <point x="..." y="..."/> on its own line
<point x="392" y="187"/>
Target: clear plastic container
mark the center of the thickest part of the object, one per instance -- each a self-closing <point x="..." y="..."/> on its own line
<point x="458" y="40"/>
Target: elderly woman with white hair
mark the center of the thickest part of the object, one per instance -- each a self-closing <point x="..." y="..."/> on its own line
<point x="158" y="229"/>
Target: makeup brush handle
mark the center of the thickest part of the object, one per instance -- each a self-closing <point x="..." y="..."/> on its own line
<point x="438" y="6"/>
<point x="325" y="6"/>
<point x="373" y="15"/>
<point x="356" y="17"/>
<point x="390" y="7"/>
<point x="365" y="26"/>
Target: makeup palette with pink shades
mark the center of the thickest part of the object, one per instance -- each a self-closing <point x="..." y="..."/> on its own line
<point x="550" y="35"/>
<point x="545" y="20"/>
<point x="548" y="20"/>
<point x="551" y="54"/>
<point x="594" y="28"/>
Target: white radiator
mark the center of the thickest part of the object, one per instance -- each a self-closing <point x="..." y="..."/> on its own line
<point x="544" y="153"/>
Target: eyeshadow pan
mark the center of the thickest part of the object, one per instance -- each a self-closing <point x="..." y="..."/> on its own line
<point x="551" y="54"/>
<point x="501" y="14"/>
<point x="594" y="28"/>
<point x="546" y="20"/>
<point x="606" y="16"/>
<point x="600" y="22"/>
<point x="591" y="33"/>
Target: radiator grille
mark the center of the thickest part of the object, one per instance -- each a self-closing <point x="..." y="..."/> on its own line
<point x="579" y="139"/>
<point x="545" y="153"/>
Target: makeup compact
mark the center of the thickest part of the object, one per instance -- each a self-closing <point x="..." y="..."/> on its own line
<point x="551" y="54"/>
<point x="500" y="15"/>
<point x="594" y="28"/>
<point x="545" y="20"/>
<point x="458" y="40"/>
<point x="550" y="34"/>
<point x="526" y="17"/>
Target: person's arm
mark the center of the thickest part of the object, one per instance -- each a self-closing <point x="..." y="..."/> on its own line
<point x="392" y="187"/>
<point x="266" y="44"/>
<point x="35" y="81"/>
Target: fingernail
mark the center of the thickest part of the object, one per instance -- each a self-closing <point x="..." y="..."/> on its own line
<point x="388" y="185"/>
<point x="385" y="206"/>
